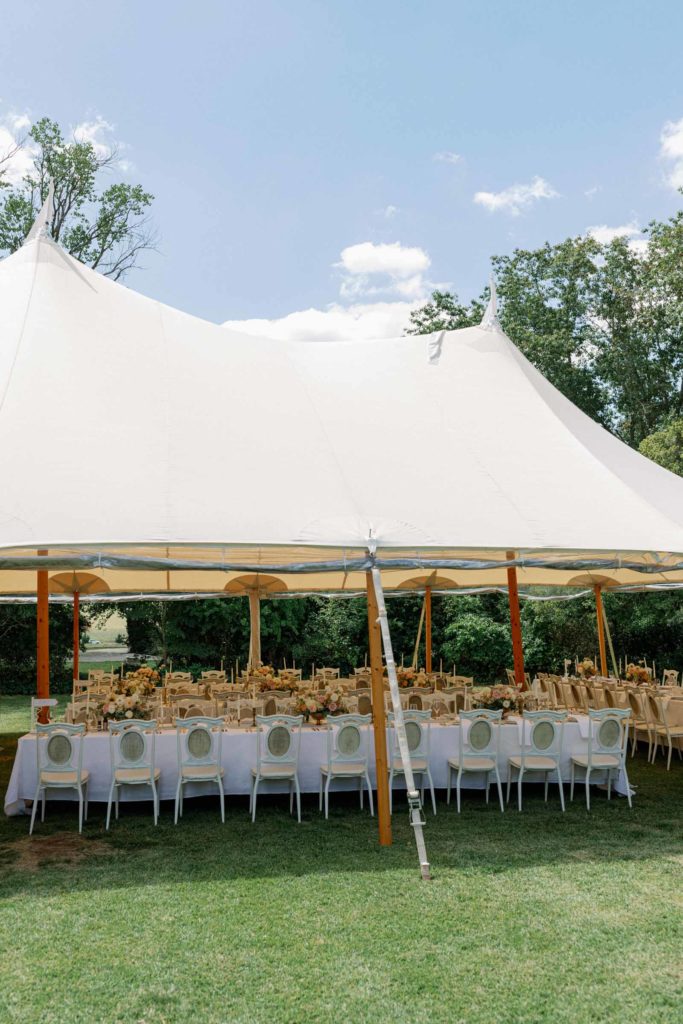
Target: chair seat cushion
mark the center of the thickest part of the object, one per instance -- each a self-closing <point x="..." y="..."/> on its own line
<point x="134" y="776"/>
<point x="534" y="763"/>
<point x="275" y="771"/>
<point x="419" y="764"/>
<point x="63" y="778"/>
<point x="599" y="760"/>
<point x="347" y="768"/>
<point x="474" y="764"/>
<point x="198" y="772"/>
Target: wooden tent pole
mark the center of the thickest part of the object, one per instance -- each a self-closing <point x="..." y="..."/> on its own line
<point x="428" y="629"/>
<point x="378" y="715"/>
<point x="515" y="624"/>
<point x="416" y="649"/>
<point x="604" y="671"/>
<point x="42" y="640"/>
<point x="77" y="634"/>
<point x="255" y="629"/>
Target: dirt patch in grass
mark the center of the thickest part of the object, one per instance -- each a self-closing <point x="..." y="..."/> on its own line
<point x="31" y="853"/>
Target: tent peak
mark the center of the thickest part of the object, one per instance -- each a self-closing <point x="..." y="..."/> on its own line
<point x="41" y="225"/>
<point x="490" y="321"/>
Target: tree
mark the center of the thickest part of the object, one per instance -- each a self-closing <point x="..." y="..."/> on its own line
<point x="445" y="312"/>
<point x="665" y="446"/>
<point x="107" y="230"/>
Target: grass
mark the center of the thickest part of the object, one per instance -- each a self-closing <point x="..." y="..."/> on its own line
<point x="538" y="917"/>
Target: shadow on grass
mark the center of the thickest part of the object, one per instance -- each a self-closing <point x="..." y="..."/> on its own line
<point x="200" y="849"/>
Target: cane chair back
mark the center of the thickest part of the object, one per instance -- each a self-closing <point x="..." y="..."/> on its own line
<point x="133" y="745"/>
<point x="199" y="742"/>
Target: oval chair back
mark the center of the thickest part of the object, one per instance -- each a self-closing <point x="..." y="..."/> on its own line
<point x="132" y="744"/>
<point x="348" y="740"/>
<point x="279" y="740"/>
<point x="543" y="735"/>
<point x="415" y="701"/>
<point x="199" y="740"/>
<point x="59" y="748"/>
<point x="270" y="707"/>
<point x="364" y="704"/>
<point x="480" y="733"/>
<point x="608" y="734"/>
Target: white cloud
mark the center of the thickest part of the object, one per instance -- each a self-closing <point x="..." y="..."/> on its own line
<point x="515" y="198"/>
<point x="15" y="160"/>
<point x="447" y="157"/>
<point x="671" y="152"/>
<point x="604" y="234"/>
<point x="99" y="133"/>
<point x="336" y="323"/>
<point x="393" y="272"/>
<point x="590" y="193"/>
<point x="389" y="212"/>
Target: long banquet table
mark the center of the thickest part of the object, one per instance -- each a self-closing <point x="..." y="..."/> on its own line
<point x="239" y="755"/>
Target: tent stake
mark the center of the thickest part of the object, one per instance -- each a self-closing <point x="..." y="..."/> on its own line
<point x="414" y="802"/>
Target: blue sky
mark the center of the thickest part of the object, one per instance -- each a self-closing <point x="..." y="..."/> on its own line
<point x="344" y="157"/>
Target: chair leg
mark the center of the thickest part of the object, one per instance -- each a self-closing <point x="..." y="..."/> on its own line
<point x="327" y="797"/>
<point x="298" y="799"/>
<point x="320" y="793"/>
<point x="488" y="784"/>
<point x="85" y="801"/>
<point x="609" y="784"/>
<point x="254" y="795"/>
<point x="668" y="760"/>
<point x="155" y="803"/>
<point x="221" y="798"/>
<point x="42" y="807"/>
<point x="361" y="780"/>
<point x="448" y="785"/>
<point x="34" y="809"/>
<point x="291" y="795"/>
<point x="571" y="786"/>
<point x="500" y="790"/>
<point x="588" y="789"/>
<point x="457" y="789"/>
<point x="431" y="790"/>
<point x="628" y="786"/>
<point x="177" y="800"/>
<point x="519" y="789"/>
<point x="109" y="803"/>
<point x="509" y="784"/>
<point x="546" y="787"/>
<point x="372" y="808"/>
<point x="117" y="794"/>
<point x="560" y="787"/>
<point x="391" y="791"/>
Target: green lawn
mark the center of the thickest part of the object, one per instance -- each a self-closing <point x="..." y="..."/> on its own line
<point x="535" y="917"/>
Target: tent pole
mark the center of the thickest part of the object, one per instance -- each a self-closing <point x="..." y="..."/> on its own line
<point x="515" y="624"/>
<point x="42" y="639"/>
<point x="615" y="667"/>
<point x="77" y="635"/>
<point x="414" y="802"/>
<point x="255" y="629"/>
<point x="378" y="716"/>
<point x="428" y="629"/>
<point x="604" y="671"/>
<point x="416" y="650"/>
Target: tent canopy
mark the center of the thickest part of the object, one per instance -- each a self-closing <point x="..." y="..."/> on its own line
<point x="163" y="453"/>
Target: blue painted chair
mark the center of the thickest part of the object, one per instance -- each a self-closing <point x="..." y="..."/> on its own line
<point x="479" y="745"/>
<point x="199" y="756"/>
<point x="132" y="745"/>
<point x="418" y="726"/>
<point x="607" y="745"/>
<point x="59" y="754"/>
<point x="348" y="748"/>
<point x="278" y="739"/>
<point x="542" y="753"/>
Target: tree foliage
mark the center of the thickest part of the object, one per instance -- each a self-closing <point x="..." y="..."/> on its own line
<point x="106" y="229"/>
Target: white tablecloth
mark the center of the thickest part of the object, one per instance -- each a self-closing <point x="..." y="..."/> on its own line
<point x="239" y="755"/>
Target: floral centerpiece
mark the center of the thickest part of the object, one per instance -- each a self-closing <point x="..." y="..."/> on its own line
<point x="142" y="682"/>
<point x="638" y="674"/>
<point x="319" y="705"/>
<point x="122" y="706"/>
<point x="587" y="669"/>
<point x="411" y="677"/>
<point x="497" y="698"/>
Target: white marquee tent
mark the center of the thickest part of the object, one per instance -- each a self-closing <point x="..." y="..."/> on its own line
<point x="165" y="453"/>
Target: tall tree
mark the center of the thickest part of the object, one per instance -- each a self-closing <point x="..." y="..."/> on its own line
<point x="106" y="229"/>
